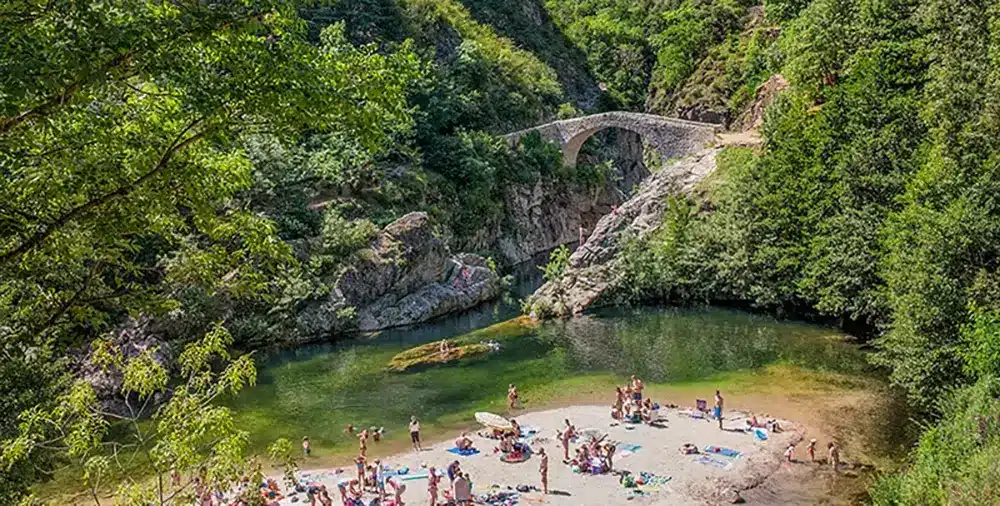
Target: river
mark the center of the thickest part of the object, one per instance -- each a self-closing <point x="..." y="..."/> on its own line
<point x="316" y="390"/>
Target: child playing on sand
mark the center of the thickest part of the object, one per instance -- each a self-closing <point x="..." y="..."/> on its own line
<point x="790" y="453"/>
<point x="811" y="449"/>
<point x="834" y="451"/>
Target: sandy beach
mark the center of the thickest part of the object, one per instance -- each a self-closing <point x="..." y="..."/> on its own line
<point x="683" y="479"/>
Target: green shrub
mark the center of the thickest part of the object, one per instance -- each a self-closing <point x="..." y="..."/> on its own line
<point x="342" y="237"/>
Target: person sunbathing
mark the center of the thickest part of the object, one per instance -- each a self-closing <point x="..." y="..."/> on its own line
<point x="463" y="442"/>
<point x="646" y="414"/>
<point x="516" y="428"/>
<point x="507" y="444"/>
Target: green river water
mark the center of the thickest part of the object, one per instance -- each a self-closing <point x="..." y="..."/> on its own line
<point x="316" y="390"/>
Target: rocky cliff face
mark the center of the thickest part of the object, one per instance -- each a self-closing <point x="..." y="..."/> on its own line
<point x="592" y="267"/>
<point x="406" y="276"/>
<point x="546" y="214"/>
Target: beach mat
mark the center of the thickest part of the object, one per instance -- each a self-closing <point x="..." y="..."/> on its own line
<point x="760" y="434"/>
<point x="709" y="461"/>
<point x="628" y="447"/>
<point x="415" y="476"/>
<point x="725" y="452"/>
<point x="464" y="453"/>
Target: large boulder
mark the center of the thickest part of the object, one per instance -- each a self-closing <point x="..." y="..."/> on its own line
<point x="592" y="268"/>
<point x="406" y="276"/>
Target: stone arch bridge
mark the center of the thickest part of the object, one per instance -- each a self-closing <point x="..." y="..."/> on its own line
<point x="671" y="137"/>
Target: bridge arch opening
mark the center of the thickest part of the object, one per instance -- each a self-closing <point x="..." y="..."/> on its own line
<point x="574" y="145"/>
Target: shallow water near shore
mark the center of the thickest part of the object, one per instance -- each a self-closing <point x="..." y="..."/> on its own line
<point x="316" y="391"/>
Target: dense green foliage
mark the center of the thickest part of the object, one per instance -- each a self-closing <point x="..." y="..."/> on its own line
<point x="224" y="161"/>
<point x="873" y="203"/>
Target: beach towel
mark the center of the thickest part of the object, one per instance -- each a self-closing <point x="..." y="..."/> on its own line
<point x="709" y="461"/>
<point x="628" y="447"/>
<point x="397" y="472"/>
<point x="514" y="458"/>
<point x="725" y="452"/>
<point x="415" y="476"/>
<point x="760" y="434"/>
<point x="465" y="453"/>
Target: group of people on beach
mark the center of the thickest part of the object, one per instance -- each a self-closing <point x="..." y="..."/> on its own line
<point x="591" y="452"/>
<point x="832" y="450"/>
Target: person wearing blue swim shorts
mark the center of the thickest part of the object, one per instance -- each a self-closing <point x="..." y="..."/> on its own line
<point x="637" y="387"/>
<point x="717" y="411"/>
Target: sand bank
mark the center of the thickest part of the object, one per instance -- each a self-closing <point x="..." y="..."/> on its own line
<point x="684" y="479"/>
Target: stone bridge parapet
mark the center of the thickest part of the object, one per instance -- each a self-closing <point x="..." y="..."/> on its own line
<point x="671" y="137"/>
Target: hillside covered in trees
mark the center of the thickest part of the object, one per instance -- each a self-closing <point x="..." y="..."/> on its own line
<point x="208" y="162"/>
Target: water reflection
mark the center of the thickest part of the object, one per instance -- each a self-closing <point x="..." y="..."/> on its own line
<point x="317" y="390"/>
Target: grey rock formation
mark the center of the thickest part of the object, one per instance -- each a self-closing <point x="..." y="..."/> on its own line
<point x="669" y="136"/>
<point x="406" y="276"/>
<point x="592" y="267"/>
<point x="132" y="339"/>
<point x="541" y="216"/>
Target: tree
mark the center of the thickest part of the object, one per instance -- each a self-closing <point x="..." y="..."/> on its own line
<point x="122" y="134"/>
<point x="189" y="434"/>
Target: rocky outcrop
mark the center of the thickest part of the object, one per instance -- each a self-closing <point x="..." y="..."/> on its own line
<point x="132" y="339"/>
<point x="752" y="118"/>
<point x="406" y="276"/>
<point x="546" y="214"/>
<point x="592" y="267"/>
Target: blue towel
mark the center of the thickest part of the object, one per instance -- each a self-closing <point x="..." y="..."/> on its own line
<point x="397" y="472"/>
<point x="760" y="434"/>
<point x="415" y="476"/>
<point x="628" y="447"/>
<point x="465" y="453"/>
<point x="725" y="452"/>
<point x="704" y="459"/>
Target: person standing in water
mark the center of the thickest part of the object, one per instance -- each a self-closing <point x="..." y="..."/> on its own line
<point x="717" y="411"/>
<point x="834" y="451"/>
<point x="363" y="442"/>
<point x="415" y="433"/>
<point x="543" y="470"/>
